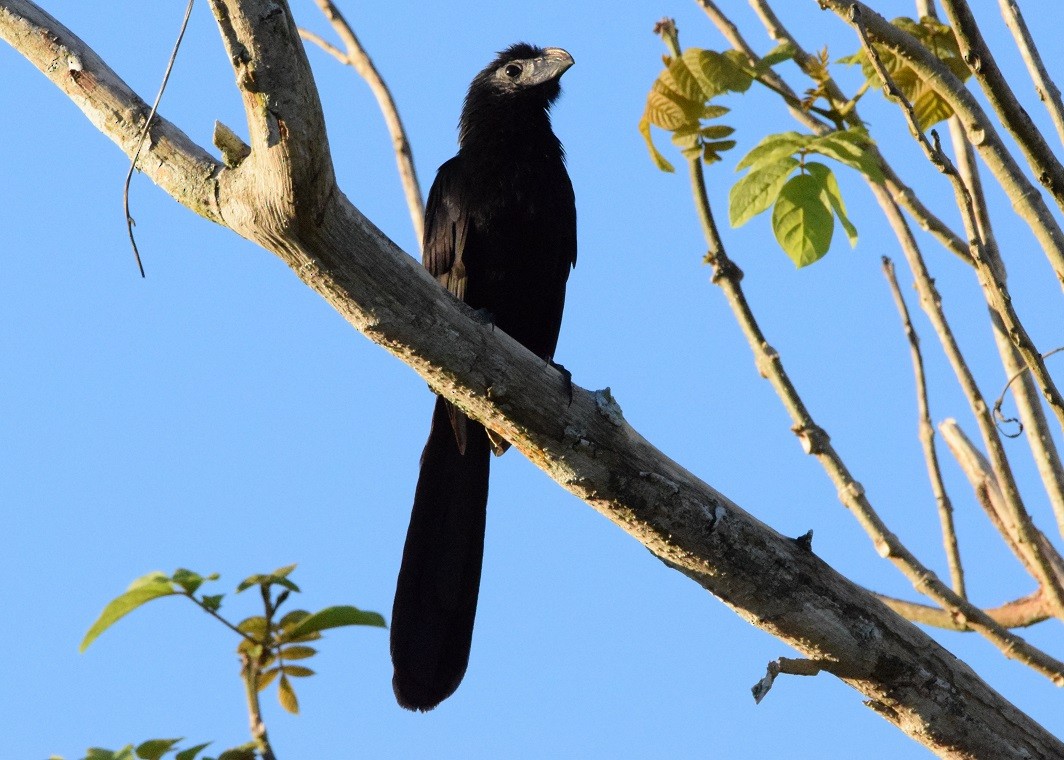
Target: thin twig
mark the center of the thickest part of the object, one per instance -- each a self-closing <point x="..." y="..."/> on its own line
<point x="989" y="496"/>
<point x="1001" y="397"/>
<point x="1047" y="89"/>
<point x="927" y="436"/>
<point x="1028" y="202"/>
<point x="144" y="134"/>
<point x="1020" y="613"/>
<point x="1031" y="412"/>
<point x="815" y="440"/>
<point x="998" y="296"/>
<point x="899" y="191"/>
<point x="355" y="56"/>
<point x="976" y="53"/>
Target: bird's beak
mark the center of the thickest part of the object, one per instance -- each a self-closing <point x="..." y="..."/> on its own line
<point x="552" y="64"/>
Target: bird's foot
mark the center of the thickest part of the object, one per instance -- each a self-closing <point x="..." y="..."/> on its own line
<point x="567" y="376"/>
<point x="484" y="317"/>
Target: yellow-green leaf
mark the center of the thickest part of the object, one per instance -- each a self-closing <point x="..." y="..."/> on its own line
<point x="773" y="148"/>
<point x="141" y="591"/>
<point x="833" y="196"/>
<point x="801" y="221"/>
<point x="287" y="696"/>
<point x="298" y="652"/>
<point x="758" y="190"/>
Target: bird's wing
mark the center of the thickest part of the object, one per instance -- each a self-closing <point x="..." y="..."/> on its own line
<point x="446" y="233"/>
<point x="446" y="229"/>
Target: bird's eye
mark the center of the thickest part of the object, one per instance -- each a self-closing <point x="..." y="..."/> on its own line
<point x="512" y="70"/>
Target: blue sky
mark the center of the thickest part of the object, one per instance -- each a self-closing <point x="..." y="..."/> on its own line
<point x="220" y="416"/>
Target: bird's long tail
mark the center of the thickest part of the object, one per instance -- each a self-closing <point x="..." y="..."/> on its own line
<point x="436" y="595"/>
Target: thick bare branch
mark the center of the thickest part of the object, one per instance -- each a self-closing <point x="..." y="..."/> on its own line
<point x="291" y="206"/>
<point x="169" y="158"/>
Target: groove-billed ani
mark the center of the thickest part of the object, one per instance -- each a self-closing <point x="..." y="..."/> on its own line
<point x="500" y="234"/>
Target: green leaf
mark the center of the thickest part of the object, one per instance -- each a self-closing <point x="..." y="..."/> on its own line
<point x="189" y="580"/>
<point x="801" y="221"/>
<point x="297" y="671"/>
<point x="333" y="617"/>
<point x="778" y="54"/>
<point x="278" y="577"/>
<point x="191" y="752"/>
<point x="716" y="131"/>
<point x="266" y="677"/>
<point x="711" y="150"/>
<point x="659" y="160"/>
<point x="758" y="190"/>
<point x="833" y="195"/>
<point x="712" y="111"/>
<point x="212" y="602"/>
<point x="254" y="626"/>
<point x="154" y="749"/>
<point x="243" y="752"/>
<point x="141" y="591"/>
<point x="773" y="148"/>
<point x="297" y="652"/>
<point x="287" y="696"/>
<point x="851" y="147"/>
<point x="718" y="72"/>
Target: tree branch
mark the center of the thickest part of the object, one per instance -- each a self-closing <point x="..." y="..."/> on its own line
<point x="1027" y="200"/>
<point x="291" y="206"/>
<point x="981" y="61"/>
<point x="927" y="436"/>
<point x="356" y="56"/>
<point x="1048" y="92"/>
<point x="1018" y="614"/>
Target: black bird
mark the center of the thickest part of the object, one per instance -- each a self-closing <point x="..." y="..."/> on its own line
<point x="500" y="234"/>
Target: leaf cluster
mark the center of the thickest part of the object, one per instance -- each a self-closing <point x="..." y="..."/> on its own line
<point x="941" y="41"/>
<point x="804" y="204"/>
<point x="679" y="102"/>
<point x="268" y="646"/>
<point x="156" y="749"/>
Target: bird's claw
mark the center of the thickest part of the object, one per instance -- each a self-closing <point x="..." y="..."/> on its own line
<point x="484" y="317"/>
<point x="568" y="377"/>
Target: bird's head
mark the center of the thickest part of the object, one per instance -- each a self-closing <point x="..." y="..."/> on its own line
<point x="523" y="73"/>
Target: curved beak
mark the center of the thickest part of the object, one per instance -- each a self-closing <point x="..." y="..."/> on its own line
<point x="552" y="64"/>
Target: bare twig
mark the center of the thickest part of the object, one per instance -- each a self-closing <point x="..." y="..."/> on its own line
<point x="1027" y="200"/>
<point x="980" y="60"/>
<point x="144" y="135"/>
<point x="901" y="193"/>
<point x="355" y="55"/>
<point x="815" y="441"/>
<point x="997" y="295"/>
<point x="1034" y="422"/>
<point x="1047" y="89"/>
<point x="1017" y="614"/>
<point x="988" y="493"/>
<point x="927" y="436"/>
<point x="787" y="666"/>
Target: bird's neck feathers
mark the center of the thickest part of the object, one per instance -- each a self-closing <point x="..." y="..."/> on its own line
<point x="519" y="130"/>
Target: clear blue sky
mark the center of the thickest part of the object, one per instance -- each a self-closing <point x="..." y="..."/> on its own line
<point x="220" y="416"/>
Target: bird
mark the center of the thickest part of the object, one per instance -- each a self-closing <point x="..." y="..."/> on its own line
<point x="500" y="235"/>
